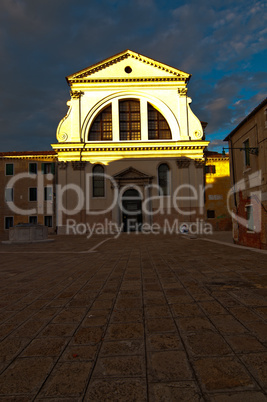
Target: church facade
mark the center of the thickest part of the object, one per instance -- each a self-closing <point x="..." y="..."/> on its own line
<point x="130" y="149"/>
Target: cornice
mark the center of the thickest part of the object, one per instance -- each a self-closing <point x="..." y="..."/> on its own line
<point x="110" y="80"/>
<point x="131" y="149"/>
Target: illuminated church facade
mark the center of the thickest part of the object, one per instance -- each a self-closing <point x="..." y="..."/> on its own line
<point x="129" y="146"/>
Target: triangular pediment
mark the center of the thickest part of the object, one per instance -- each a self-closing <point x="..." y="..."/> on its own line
<point x="131" y="173"/>
<point x="128" y="65"/>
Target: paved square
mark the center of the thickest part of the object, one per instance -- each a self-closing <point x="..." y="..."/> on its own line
<point x="137" y="318"/>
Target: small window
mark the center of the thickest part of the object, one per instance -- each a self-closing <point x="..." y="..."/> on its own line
<point x="33" y="194"/>
<point x="9" y="194"/>
<point x="247" y="155"/>
<point x="9" y="169"/>
<point x="48" y="221"/>
<point x="210" y="214"/>
<point x="98" y="181"/>
<point x="33" y="219"/>
<point x="33" y="168"/>
<point x="9" y="222"/>
<point x="130" y="123"/>
<point x="250" y="219"/>
<point x="48" y="193"/>
<point x="48" y="168"/>
<point x="210" y="169"/>
<point x="163" y="179"/>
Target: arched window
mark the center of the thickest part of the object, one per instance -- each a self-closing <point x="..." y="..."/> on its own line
<point x="98" y="181"/>
<point x="101" y="128"/>
<point x="130" y="125"/>
<point x="163" y="179"/>
<point x="158" y="128"/>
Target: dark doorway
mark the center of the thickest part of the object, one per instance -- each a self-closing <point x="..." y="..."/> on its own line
<point x="132" y="211"/>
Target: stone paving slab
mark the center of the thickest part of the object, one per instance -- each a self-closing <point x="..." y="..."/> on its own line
<point x="141" y="318"/>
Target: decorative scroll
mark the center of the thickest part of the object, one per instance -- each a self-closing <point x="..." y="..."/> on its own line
<point x="62" y="165"/>
<point x="78" y="165"/>
<point x="62" y="137"/>
<point x="199" y="163"/>
<point x="182" y="91"/>
<point x="183" y="163"/>
<point x="76" y="94"/>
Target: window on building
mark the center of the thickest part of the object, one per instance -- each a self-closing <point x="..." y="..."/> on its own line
<point x="9" y="169"/>
<point x="9" y="222"/>
<point x="210" y="213"/>
<point x="33" y="194"/>
<point x="33" y="168"/>
<point x="250" y="219"/>
<point x="163" y="179"/>
<point x="9" y="194"/>
<point x="33" y="219"/>
<point x="48" y="221"/>
<point x="101" y="129"/>
<point x="210" y="169"/>
<point x="130" y="123"/>
<point x="48" y="193"/>
<point x="247" y="155"/>
<point x="98" y="181"/>
<point x="48" y="168"/>
<point x="158" y="128"/>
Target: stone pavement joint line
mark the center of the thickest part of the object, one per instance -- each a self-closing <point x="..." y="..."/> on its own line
<point x="143" y="318"/>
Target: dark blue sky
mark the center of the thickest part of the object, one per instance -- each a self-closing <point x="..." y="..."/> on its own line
<point x="220" y="42"/>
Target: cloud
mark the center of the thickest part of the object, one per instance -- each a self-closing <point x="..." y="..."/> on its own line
<point x="220" y="42"/>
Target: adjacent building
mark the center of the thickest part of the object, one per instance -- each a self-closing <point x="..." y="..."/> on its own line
<point x="27" y="180"/>
<point x="248" y="160"/>
<point x="218" y="184"/>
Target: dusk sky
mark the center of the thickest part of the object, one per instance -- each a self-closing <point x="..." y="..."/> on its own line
<point x="222" y="43"/>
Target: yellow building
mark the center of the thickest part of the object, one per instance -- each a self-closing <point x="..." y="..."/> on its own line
<point x="129" y="147"/>
<point x="218" y="184"/>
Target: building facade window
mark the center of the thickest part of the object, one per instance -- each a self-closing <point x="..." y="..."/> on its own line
<point x="48" y="193"/>
<point x="210" y="169"/>
<point x="101" y="129"/>
<point x="33" y="219"/>
<point x="9" y="169"/>
<point x="48" y="168"/>
<point x="9" y="194"/>
<point x="33" y="168"/>
<point x="33" y="194"/>
<point x="164" y="179"/>
<point x="247" y="155"/>
<point x="98" y="181"/>
<point x="210" y="213"/>
<point x="9" y="222"/>
<point x="130" y="121"/>
<point x="48" y="221"/>
<point x="158" y="128"/>
<point x="250" y="218"/>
